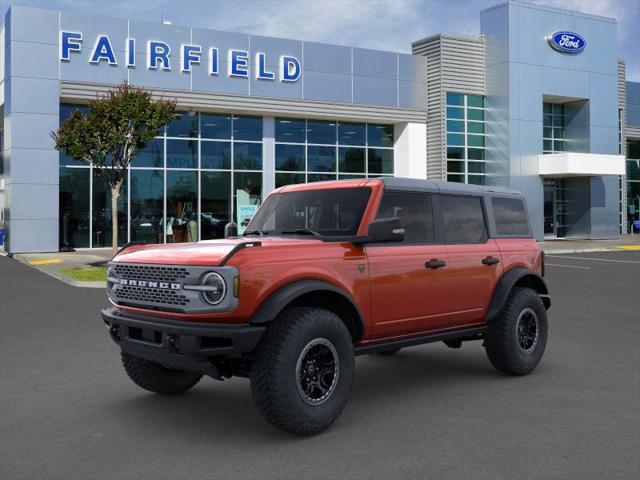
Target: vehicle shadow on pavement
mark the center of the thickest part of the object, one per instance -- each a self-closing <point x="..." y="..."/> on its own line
<point x="213" y="409"/>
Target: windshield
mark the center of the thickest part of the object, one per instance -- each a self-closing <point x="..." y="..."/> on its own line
<point x="328" y="212"/>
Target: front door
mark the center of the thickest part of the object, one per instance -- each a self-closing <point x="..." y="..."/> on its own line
<point x="555" y="208"/>
<point x="409" y="280"/>
<point x="474" y="259"/>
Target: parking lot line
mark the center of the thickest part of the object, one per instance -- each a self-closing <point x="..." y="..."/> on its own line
<point x="47" y="261"/>
<point x="593" y="259"/>
<point x="628" y="247"/>
<point x="568" y="266"/>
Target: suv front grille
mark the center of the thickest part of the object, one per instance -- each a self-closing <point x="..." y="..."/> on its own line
<point x="153" y="273"/>
<point x="159" y="296"/>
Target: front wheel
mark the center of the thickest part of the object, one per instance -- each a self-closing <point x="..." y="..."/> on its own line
<point x="302" y="370"/>
<point x="517" y="337"/>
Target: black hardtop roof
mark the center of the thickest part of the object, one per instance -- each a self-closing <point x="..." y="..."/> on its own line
<point x="415" y="184"/>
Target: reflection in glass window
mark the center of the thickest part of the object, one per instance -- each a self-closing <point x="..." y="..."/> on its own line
<point x="320" y="131"/>
<point x="290" y="130"/>
<point x="414" y="212"/>
<point x="181" y="222"/>
<point x="146" y="206"/>
<point x="215" y="126"/>
<point x="74" y="207"/>
<point x="283" y="179"/>
<point x="247" y="128"/>
<point x="66" y="109"/>
<point x="182" y="153"/>
<point x="247" y="156"/>
<point x="351" y="133"/>
<point x="380" y="161"/>
<point x="553" y="128"/>
<point x="249" y="186"/>
<point x="380" y="135"/>
<point x="318" y="177"/>
<point x="290" y="157"/>
<point x="321" y="159"/>
<point x="215" y="155"/>
<point x="215" y="204"/>
<point x="463" y="219"/>
<point x="455" y="98"/>
<point x="185" y="124"/>
<point x="101" y="216"/>
<point x="351" y="160"/>
<point x="152" y="155"/>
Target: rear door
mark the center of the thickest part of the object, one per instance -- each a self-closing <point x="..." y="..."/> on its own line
<point x="474" y="259"/>
<point x="409" y="280"/>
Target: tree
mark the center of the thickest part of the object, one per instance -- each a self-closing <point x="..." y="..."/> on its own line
<point x="117" y="126"/>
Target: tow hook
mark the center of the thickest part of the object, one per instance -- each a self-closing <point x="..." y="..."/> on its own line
<point x="173" y="342"/>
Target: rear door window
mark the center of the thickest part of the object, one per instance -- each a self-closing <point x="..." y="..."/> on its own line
<point x="415" y="213"/>
<point x="510" y="216"/>
<point x="463" y="219"/>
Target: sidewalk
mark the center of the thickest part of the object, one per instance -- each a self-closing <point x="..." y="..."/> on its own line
<point x="56" y="264"/>
<point x="626" y="242"/>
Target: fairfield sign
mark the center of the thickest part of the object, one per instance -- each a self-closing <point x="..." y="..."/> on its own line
<point x="159" y="56"/>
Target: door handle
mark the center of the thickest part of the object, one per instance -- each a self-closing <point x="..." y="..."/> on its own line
<point x="435" y="263"/>
<point x="490" y="260"/>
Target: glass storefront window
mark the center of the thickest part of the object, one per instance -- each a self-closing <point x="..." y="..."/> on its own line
<point x="250" y="184"/>
<point x="320" y="131"/>
<point x="74" y="207"/>
<point x="247" y="128"/>
<point x="380" y="135"/>
<point x="215" y="126"/>
<point x="290" y="157"/>
<point x="147" y="187"/>
<point x="247" y="156"/>
<point x="318" y="177"/>
<point x="215" y="206"/>
<point x="633" y="182"/>
<point x="101" y="215"/>
<point x="321" y="159"/>
<point x="465" y="137"/>
<point x="552" y="128"/>
<point x="380" y="161"/>
<point x="351" y="133"/>
<point x="181" y="222"/>
<point x="351" y="160"/>
<point x="66" y="109"/>
<point x="215" y="155"/>
<point x="182" y="154"/>
<point x="151" y="155"/>
<point x="185" y="124"/>
<point x="283" y="179"/>
<point x="290" y="130"/>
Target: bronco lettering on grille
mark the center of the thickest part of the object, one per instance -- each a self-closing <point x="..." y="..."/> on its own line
<point x="150" y="284"/>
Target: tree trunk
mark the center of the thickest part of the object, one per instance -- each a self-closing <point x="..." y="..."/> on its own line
<point x="115" y="194"/>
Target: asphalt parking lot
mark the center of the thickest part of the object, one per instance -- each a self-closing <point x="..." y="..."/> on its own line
<point x="68" y="411"/>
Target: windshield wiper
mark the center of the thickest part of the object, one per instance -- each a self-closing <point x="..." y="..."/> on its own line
<point x="301" y="231"/>
<point x="255" y="232"/>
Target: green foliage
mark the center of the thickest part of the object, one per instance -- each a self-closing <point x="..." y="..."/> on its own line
<point x="117" y="126"/>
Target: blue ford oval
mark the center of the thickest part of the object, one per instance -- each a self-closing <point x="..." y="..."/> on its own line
<point x="567" y="42"/>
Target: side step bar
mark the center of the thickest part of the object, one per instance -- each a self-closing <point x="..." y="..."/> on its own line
<point x="465" y="333"/>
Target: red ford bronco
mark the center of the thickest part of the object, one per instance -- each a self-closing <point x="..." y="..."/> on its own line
<point x="324" y="272"/>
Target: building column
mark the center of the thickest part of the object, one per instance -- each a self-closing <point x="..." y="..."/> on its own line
<point x="410" y="150"/>
<point x="268" y="155"/>
<point x="31" y="113"/>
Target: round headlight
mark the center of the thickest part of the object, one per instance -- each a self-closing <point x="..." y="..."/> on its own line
<point x="215" y="288"/>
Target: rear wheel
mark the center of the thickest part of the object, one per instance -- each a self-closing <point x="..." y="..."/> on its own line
<point x="156" y="378"/>
<point x="302" y="370"/>
<point x="517" y="337"/>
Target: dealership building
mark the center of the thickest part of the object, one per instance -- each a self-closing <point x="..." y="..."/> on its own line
<point x="538" y="103"/>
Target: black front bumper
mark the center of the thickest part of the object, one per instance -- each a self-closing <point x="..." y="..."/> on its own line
<point x="187" y="346"/>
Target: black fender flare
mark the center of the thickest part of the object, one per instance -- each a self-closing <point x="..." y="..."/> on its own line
<point x="282" y="297"/>
<point x="509" y="280"/>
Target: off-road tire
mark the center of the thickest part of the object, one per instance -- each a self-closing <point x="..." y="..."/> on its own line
<point x="388" y="353"/>
<point x="502" y="341"/>
<point x="156" y="378"/>
<point x="274" y="375"/>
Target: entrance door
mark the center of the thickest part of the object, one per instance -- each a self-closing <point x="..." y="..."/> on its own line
<point x="555" y="208"/>
<point x="409" y="280"/>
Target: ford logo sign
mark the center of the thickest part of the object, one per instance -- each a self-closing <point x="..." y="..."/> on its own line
<point x="567" y="42"/>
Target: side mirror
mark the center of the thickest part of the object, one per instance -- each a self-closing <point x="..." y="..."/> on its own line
<point x="385" y="230"/>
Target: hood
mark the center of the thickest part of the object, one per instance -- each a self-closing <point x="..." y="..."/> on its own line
<point x="206" y="252"/>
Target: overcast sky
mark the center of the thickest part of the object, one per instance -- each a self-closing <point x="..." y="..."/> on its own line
<point x="379" y="24"/>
